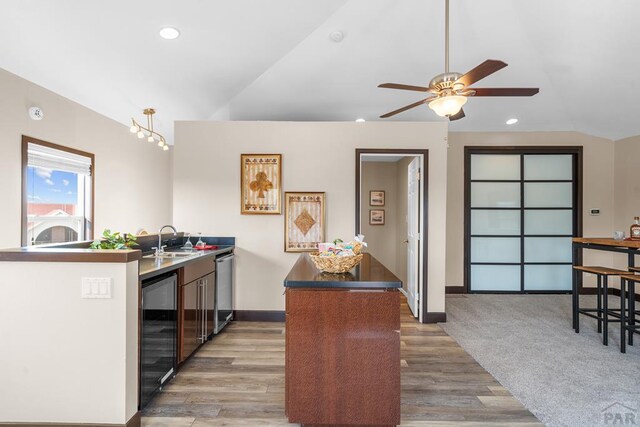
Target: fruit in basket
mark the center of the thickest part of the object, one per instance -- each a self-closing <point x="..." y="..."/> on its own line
<point x="340" y="248"/>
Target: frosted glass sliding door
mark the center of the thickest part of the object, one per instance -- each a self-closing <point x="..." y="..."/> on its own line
<point x="521" y="217"/>
<point x="549" y="217"/>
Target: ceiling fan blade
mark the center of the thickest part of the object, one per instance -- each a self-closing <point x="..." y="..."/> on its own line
<point x="408" y="107"/>
<point x="404" y="87"/>
<point x="505" y="91"/>
<point x="483" y="70"/>
<point x="459" y="115"/>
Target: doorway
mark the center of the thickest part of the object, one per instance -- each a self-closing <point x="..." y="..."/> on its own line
<point x="391" y="211"/>
<point x="522" y="207"/>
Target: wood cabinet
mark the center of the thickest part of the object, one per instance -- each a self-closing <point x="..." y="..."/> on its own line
<point x="342" y="345"/>
<point x="342" y="356"/>
<point x="190" y="319"/>
<point x="197" y="269"/>
<point x="198" y="305"/>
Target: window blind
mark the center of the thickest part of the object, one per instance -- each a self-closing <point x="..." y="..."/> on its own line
<point x="40" y="156"/>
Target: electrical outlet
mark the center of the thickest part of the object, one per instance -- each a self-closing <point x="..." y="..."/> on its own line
<point x="594" y="211"/>
<point x="97" y="287"/>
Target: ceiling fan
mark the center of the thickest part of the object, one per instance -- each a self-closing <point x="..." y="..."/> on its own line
<point x="451" y="90"/>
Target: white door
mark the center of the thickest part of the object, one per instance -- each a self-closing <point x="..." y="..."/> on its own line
<point x="413" y="235"/>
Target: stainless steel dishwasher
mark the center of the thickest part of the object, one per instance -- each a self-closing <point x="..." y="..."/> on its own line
<point x="225" y="278"/>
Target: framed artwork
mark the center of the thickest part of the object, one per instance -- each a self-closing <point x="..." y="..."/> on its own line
<point x="261" y="183"/>
<point x="376" y="217"/>
<point x="376" y="198"/>
<point x="303" y="221"/>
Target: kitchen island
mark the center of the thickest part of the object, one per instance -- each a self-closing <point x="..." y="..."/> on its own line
<point x="342" y="352"/>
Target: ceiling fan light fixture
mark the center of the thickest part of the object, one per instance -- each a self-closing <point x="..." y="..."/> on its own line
<point x="512" y="121"/>
<point x="450" y="105"/>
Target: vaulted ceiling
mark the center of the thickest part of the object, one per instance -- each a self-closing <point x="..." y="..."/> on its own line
<point x="274" y="59"/>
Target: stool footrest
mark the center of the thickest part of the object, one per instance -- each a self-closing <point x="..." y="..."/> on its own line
<point x="632" y="328"/>
<point x="616" y="317"/>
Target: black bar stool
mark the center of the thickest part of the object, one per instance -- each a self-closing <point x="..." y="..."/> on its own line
<point x="603" y="314"/>
<point x="628" y="313"/>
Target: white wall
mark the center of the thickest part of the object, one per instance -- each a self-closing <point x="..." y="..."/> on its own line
<point x="316" y="157"/>
<point x="381" y="239"/>
<point x="133" y="179"/>
<point x="67" y="359"/>
<point x="627" y="182"/>
<point x="627" y="188"/>
<point x="598" y="172"/>
<point x="387" y="242"/>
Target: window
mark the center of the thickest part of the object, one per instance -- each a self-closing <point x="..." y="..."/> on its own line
<point x="57" y="193"/>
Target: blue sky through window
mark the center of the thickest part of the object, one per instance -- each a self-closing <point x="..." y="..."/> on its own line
<point x="51" y="186"/>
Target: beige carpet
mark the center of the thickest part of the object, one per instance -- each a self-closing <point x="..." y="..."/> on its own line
<point x="527" y="343"/>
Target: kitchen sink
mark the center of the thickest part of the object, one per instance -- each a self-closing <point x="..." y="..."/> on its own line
<point x="180" y="251"/>
<point x="170" y="255"/>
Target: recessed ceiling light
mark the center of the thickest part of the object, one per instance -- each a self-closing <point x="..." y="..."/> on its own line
<point x="169" y="33"/>
<point x="512" y="121"/>
<point x="361" y="120"/>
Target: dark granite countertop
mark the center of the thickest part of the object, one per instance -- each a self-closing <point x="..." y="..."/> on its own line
<point x="369" y="274"/>
<point x="148" y="266"/>
<point x="151" y="267"/>
<point x="50" y="253"/>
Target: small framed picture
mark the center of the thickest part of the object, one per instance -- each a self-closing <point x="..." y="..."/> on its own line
<point x="376" y="217"/>
<point x="376" y="198"/>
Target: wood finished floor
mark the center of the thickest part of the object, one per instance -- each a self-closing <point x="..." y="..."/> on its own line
<point x="238" y="380"/>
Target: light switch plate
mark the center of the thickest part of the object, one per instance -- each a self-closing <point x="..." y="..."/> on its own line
<point x="96" y="287"/>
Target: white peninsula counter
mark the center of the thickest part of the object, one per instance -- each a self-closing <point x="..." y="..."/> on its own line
<point x="67" y="358"/>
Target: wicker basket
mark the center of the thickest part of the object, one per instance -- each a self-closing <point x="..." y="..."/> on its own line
<point x="335" y="264"/>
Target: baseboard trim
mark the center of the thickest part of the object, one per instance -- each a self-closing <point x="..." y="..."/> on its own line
<point x="133" y="422"/>
<point x="454" y="290"/>
<point x="259" y="315"/>
<point x="434" y="317"/>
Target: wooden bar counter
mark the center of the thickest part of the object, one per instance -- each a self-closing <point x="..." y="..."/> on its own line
<point x="342" y="345"/>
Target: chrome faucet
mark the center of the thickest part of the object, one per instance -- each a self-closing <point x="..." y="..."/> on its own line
<point x="160" y="249"/>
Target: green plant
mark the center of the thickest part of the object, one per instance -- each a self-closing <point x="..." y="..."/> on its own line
<point x="114" y="241"/>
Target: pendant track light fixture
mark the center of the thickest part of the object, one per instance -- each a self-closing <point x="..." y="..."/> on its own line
<point x="148" y="132"/>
